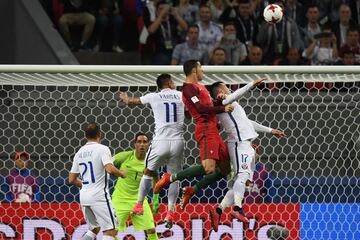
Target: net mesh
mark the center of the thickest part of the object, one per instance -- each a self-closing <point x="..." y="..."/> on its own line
<point x="315" y="168"/>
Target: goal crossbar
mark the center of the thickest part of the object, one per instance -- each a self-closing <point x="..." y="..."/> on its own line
<point x="136" y="75"/>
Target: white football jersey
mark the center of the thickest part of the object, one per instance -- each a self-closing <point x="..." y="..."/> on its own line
<point x="90" y="163"/>
<point x="168" y="110"/>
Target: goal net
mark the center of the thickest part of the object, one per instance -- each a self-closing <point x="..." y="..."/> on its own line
<point x="307" y="185"/>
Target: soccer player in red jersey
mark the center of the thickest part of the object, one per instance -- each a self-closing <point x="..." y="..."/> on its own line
<point x="213" y="151"/>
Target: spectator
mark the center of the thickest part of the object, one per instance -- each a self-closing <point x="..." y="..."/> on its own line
<point x="20" y="185"/>
<point x="163" y="34"/>
<point x="296" y="12"/>
<point x="235" y="50"/>
<point x="313" y="25"/>
<point x="219" y="57"/>
<point x="109" y="13"/>
<point x="255" y="56"/>
<point x="347" y="58"/>
<point x="352" y="44"/>
<point x="217" y="7"/>
<point x="355" y="11"/>
<point x="210" y="32"/>
<point x="345" y="22"/>
<point x="246" y="26"/>
<point x="77" y="13"/>
<point x="276" y="39"/>
<point x="191" y="49"/>
<point x="188" y="11"/>
<point x="322" y="51"/>
<point x="293" y="57"/>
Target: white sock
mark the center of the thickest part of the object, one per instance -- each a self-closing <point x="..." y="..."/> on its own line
<point x="144" y="188"/>
<point x="89" y="235"/>
<point x="106" y="237"/>
<point x="239" y="188"/>
<point x="173" y="194"/>
<point x="228" y="200"/>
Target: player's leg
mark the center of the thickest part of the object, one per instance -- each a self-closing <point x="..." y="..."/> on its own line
<point x="208" y="154"/>
<point x="244" y="158"/>
<point x="90" y="219"/>
<point x="218" y="164"/>
<point x="145" y="222"/>
<point x="154" y="159"/>
<point x="174" y="166"/>
<point x="216" y="212"/>
<point x="106" y="217"/>
<point x="122" y="210"/>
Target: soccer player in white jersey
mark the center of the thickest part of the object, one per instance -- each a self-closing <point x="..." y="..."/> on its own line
<point x="241" y="131"/>
<point x="92" y="163"/>
<point x="167" y="146"/>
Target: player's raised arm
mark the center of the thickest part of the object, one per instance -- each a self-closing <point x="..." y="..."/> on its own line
<point x="261" y="128"/>
<point x="131" y="101"/>
<point x="241" y="91"/>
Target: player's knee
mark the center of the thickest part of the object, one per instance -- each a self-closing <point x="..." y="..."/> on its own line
<point x="148" y="172"/>
<point x="151" y="231"/>
<point x="243" y="177"/>
<point x="96" y="230"/>
<point x="209" y="169"/>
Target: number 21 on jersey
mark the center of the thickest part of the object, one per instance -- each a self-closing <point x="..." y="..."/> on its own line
<point x="91" y="169"/>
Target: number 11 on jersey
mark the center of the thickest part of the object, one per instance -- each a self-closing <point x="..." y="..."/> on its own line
<point x="167" y="109"/>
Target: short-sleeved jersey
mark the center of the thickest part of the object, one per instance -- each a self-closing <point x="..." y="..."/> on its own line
<point x="237" y="125"/>
<point x="90" y="163"/>
<point x="127" y="188"/>
<point x="202" y="96"/>
<point x="168" y="110"/>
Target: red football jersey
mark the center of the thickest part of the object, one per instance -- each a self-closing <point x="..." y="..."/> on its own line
<point x="200" y="105"/>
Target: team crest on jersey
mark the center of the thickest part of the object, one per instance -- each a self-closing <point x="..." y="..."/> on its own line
<point x="211" y="152"/>
<point x="244" y="166"/>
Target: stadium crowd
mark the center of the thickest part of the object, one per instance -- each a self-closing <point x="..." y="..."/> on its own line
<point x="217" y="32"/>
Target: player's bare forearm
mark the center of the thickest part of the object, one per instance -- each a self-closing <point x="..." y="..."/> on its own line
<point x="74" y="180"/>
<point x="111" y="169"/>
<point x="131" y="101"/>
<point x="278" y="133"/>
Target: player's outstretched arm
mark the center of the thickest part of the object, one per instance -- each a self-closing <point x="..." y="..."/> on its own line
<point x="111" y="169"/>
<point x="131" y="101"/>
<point x="278" y="133"/>
<point x="74" y="179"/>
<point x="241" y="91"/>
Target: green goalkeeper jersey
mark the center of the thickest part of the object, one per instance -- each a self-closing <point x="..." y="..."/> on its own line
<point x="127" y="188"/>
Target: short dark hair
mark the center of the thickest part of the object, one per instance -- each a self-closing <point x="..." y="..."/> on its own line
<point x="141" y="134"/>
<point x="189" y="65"/>
<point x="193" y="26"/>
<point x="219" y="48"/>
<point x="92" y="130"/>
<point x="162" y="79"/>
<point x="214" y="88"/>
<point x="228" y="23"/>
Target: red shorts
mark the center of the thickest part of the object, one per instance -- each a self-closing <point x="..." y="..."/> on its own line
<point x="212" y="146"/>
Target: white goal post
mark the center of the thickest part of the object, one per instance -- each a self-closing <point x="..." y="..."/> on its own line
<point x="301" y="180"/>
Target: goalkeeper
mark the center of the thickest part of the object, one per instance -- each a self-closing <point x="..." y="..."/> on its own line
<point x="126" y="190"/>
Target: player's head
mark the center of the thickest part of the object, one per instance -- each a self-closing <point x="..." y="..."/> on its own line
<point x="21" y="159"/>
<point x="142" y="142"/>
<point x="193" y="68"/>
<point x="92" y="132"/>
<point x="218" y="88"/>
<point x="164" y="81"/>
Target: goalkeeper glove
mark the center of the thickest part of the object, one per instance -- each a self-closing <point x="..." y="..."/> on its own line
<point x="155" y="204"/>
